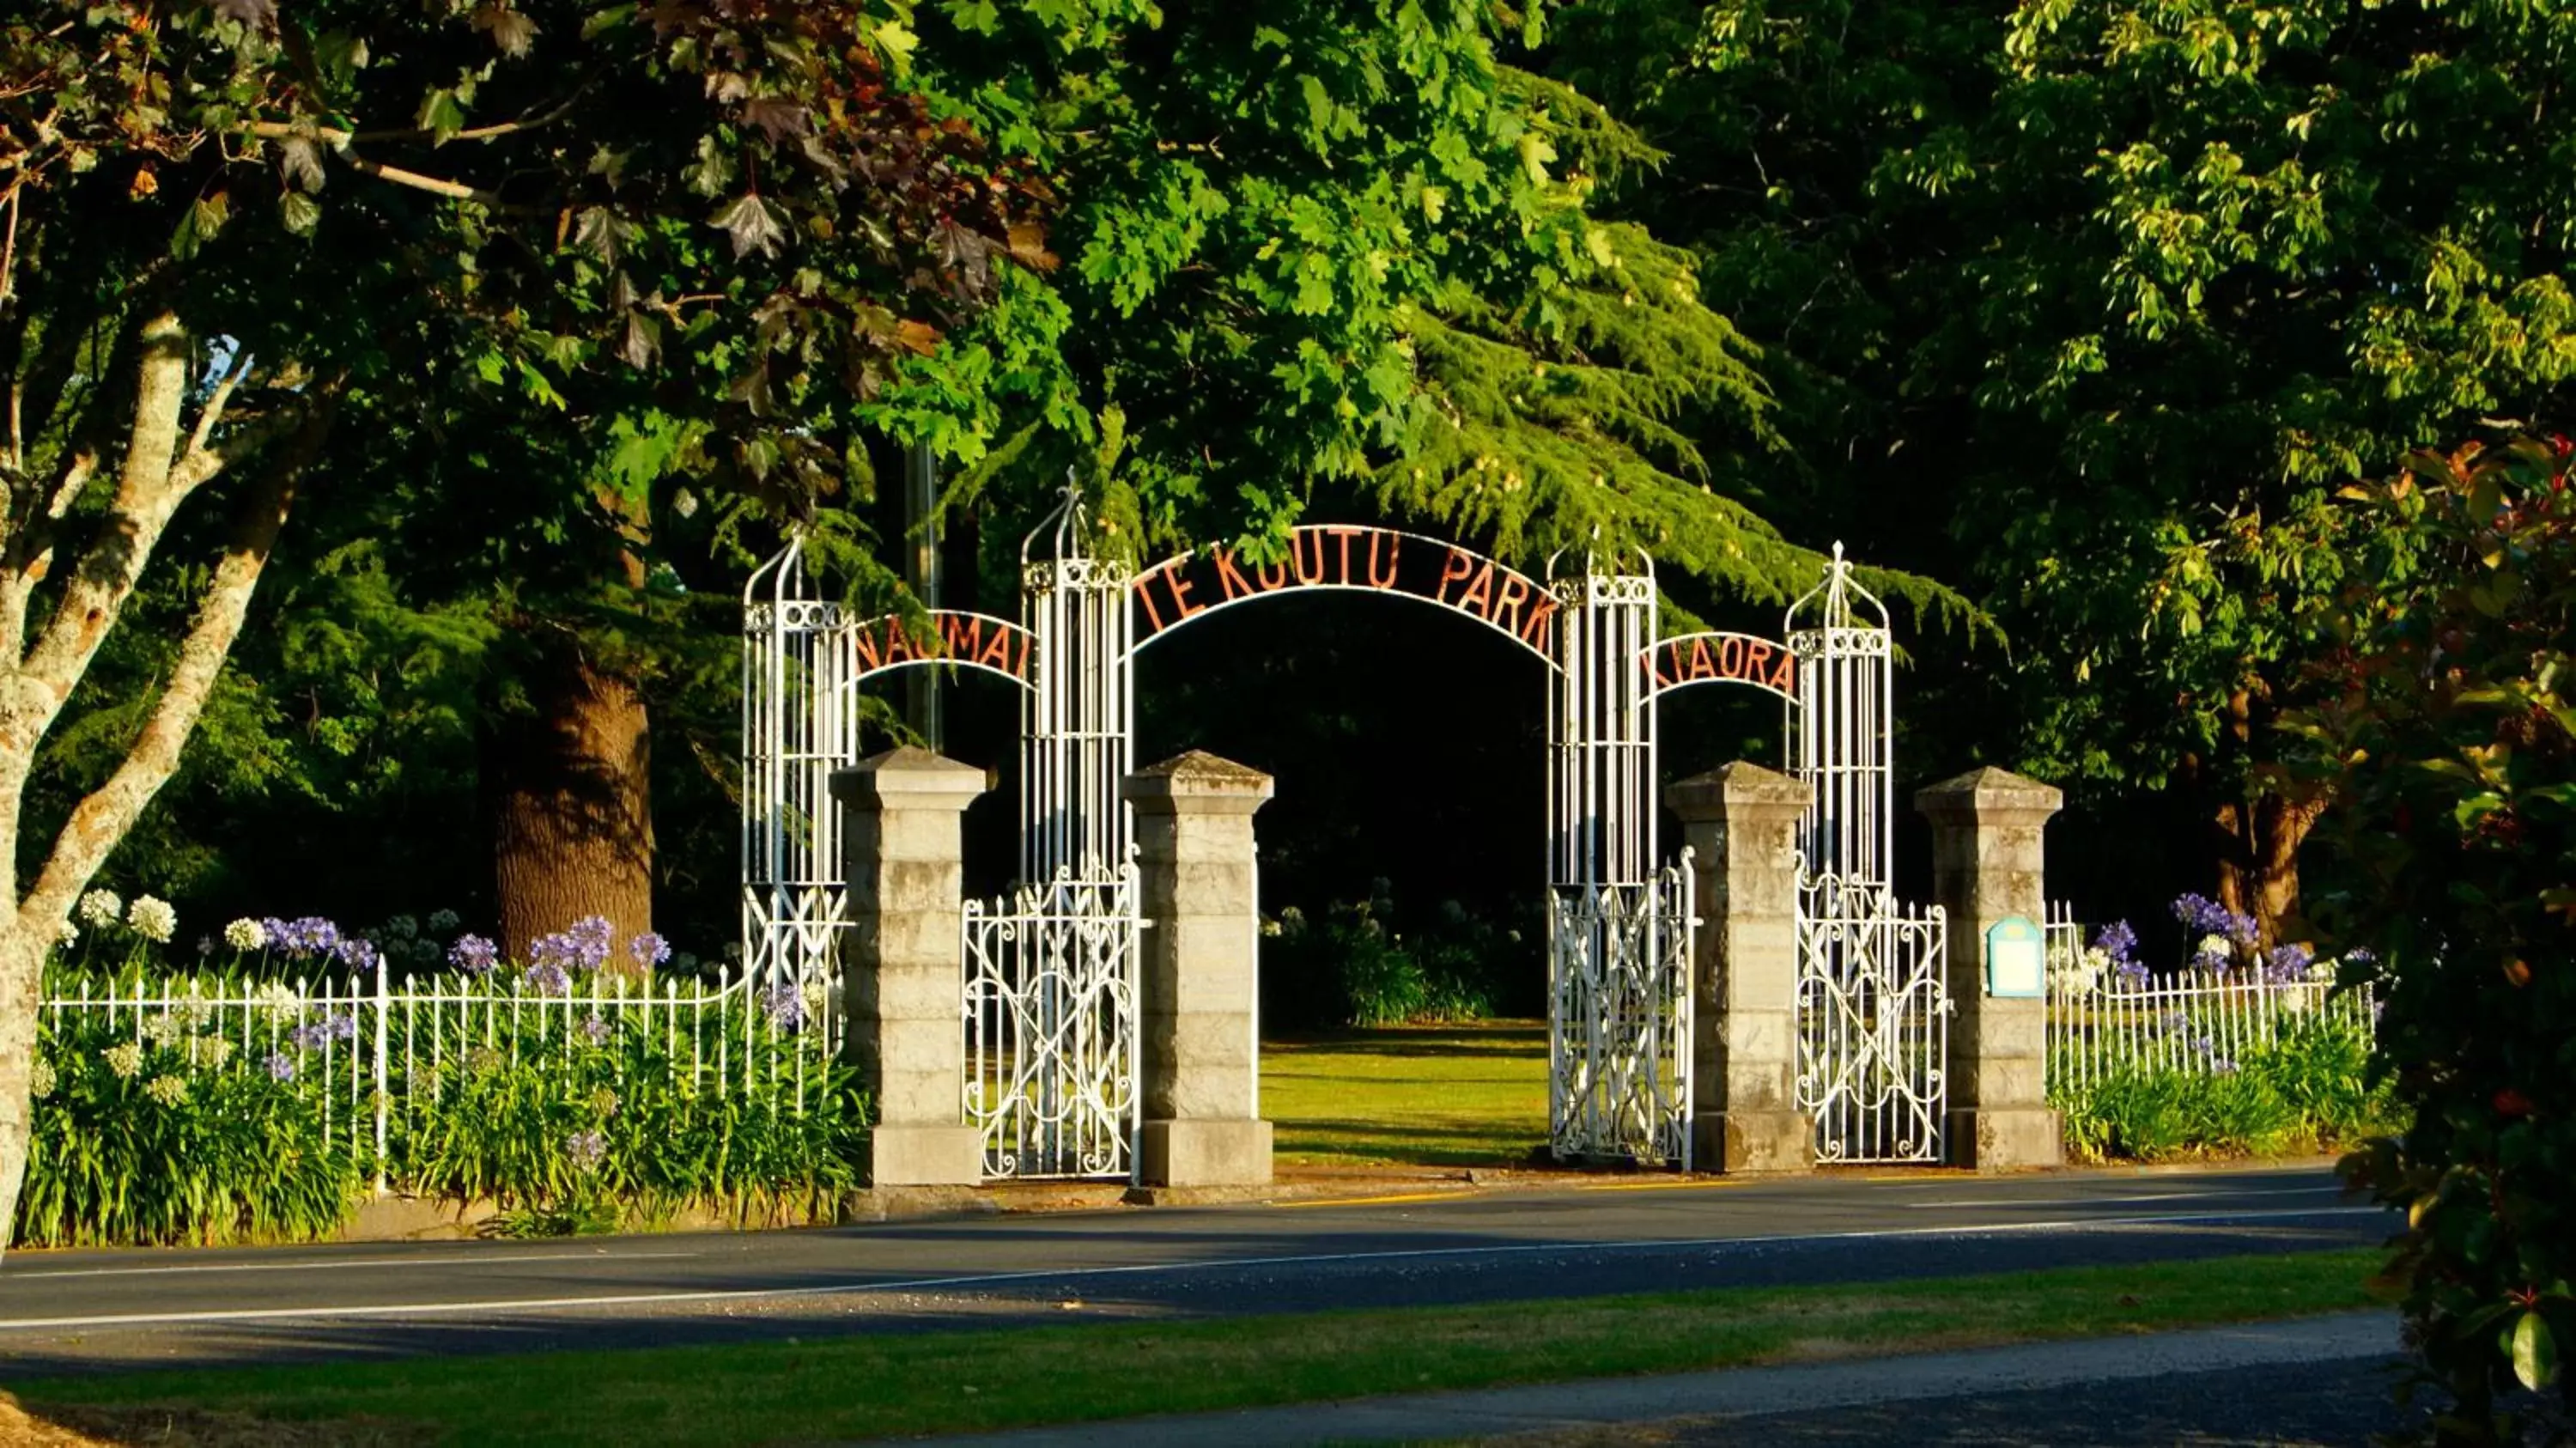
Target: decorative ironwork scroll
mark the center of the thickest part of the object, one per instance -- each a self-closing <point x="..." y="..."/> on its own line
<point x="1619" y="1013"/>
<point x="1873" y="1021"/>
<point x="1051" y="1028"/>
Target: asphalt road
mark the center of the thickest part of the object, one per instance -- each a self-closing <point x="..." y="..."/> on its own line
<point x="90" y="1311"/>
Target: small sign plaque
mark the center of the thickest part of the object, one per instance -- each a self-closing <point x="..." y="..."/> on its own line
<point x="2016" y="959"/>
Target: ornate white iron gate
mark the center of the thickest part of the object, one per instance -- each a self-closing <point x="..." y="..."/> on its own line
<point x="1873" y="1008"/>
<point x="1051" y="1028"/>
<point x="1618" y="927"/>
<point x="1873" y="1022"/>
<point x="1620" y="1020"/>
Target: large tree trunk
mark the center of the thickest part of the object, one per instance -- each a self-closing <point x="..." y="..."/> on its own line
<point x="2258" y="861"/>
<point x="569" y="790"/>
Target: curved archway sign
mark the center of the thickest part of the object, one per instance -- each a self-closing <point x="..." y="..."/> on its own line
<point x="954" y="637"/>
<point x="1724" y="658"/>
<point x="1339" y="556"/>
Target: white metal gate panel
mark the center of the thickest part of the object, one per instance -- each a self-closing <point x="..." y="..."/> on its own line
<point x="1873" y="1022"/>
<point x="1051" y="1027"/>
<point x="1619" y="1021"/>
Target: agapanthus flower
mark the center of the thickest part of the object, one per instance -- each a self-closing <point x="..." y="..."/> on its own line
<point x="101" y="908"/>
<point x="586" y="1150"/>
<point x="168" y="1090"/>
<point x="549" y="978"/>
<point x="246" y="934"/>
<point x="2212" y="953"/>
<point x="443" y="921"/>
<point x="648" y="949"/>
<point x="2207" y="917"/>
<point x="591" y="937"/>
<point x="357" y="952"/>
<point x="594" y="1028"/>
<point x="210" y="1051"/>
<point x="473" y="954"/>
<point x="2288" y="964"/>
<point x="603" y="1103"/>
<point x="125" y="1058"/>
<point x="2117" y="941"/>
<point x="153" y="919"/>
<point x="162" y="1029"/>
<point x="68" y="936"/>
<point x="281" y="1066"/>
<point x="785" y="1006"/>
<point x="304" y="938"/>
<point x="40" y="1079"/>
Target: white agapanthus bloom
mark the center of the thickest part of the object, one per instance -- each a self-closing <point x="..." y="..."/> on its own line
<point x="246" y="934"/>
<point x="68" y="936"/>
<point x="2073" y="975"/>
<point x="2215" y="949"/>
<point x="279" y="999"/>
<point x="101" y="907"/>
<point x="2321" y="970"/>
<point x="153" y="919"/>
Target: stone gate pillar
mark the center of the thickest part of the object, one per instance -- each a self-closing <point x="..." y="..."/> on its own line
<point x="1986" y="866"/>
<point x="903" y="980"/>
<point x="1199" y="889"/>
<point x="1740" y="823"/>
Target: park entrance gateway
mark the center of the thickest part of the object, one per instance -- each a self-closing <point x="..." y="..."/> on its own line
<point x="1049" y="1008"/>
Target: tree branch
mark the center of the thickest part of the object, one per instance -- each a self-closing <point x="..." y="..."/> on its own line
<point x="104" y="816"/>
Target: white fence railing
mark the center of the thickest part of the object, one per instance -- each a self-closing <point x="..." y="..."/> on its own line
<point x="2103" y="1021"/>
<point x="376" y="1053"/>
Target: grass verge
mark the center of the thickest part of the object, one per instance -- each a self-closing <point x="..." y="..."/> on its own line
<point x="883" y="1385"/>
<point x="1472" y="1095"/>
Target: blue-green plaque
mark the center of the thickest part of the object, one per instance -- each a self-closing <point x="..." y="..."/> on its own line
<point x="2016" y="959"/>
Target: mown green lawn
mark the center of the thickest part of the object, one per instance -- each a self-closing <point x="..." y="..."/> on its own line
<point x="883" y="1385"/>
<point x="1409" y="1095"/>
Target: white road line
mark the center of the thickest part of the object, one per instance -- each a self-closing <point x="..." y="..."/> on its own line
<point x="994" y="1279"/>
<point x="1993" y="1202"/>
<point x="444" y="1259"/>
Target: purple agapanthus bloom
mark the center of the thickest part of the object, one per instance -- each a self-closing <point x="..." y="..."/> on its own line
<point x="648" y="949"/>
<point x="591" y="938"/>
<point x="2204" y="916"/>
<point x="586" y="1149"/>
<point x="595" y="1028"/>
<point x="281" y="1066"/>
<point x="358" y="953"/>
<point x="785" y="1006"/>
<point x="2288" y="964"/>
<point x="549" y="978"/>
<point x="2117" y="941"/>
<point x="473" y="954"/>
<point x="303" y="939"/>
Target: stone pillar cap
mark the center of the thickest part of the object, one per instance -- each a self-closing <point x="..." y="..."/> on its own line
<point x="1709" y="796"/>
<point x="906" y="777"/>
<point x="1988" y="791"/>
<point x="1198" y="782"/>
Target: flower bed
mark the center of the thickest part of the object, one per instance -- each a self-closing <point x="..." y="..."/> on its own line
<point x="262" y="1096"/>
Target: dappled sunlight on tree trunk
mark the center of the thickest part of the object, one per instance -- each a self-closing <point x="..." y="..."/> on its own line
<point x="571" y="805"/>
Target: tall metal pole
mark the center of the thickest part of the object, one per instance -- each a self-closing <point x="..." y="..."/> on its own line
<point x="925" y="696"/>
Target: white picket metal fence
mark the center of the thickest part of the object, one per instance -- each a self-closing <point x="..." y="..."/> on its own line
<point x="2103" y="1022"/>
<point x="377" y="1053"/>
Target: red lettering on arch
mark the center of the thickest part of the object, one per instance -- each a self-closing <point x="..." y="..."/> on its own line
<point x="997" y="654"/>
<point x="1514" y="597"/>
<point x="963" y="634"/>
<point x="899" y="648"/>
<point x="1229" y="579"/>
<point x="863" y="643"/>
<point x="1394" y="552"/>
<point x="1702" y="666"/>
<point x="1344" y="535"/>
<point x="1178" y="586"/>
<point x="1145" y="595"/>
<point x="1479" y="597"/>
<point x="1785" y="678"/>
<point x="1730" y="657"/>
<point x="1453" y="569"/>
<point x="1297" y="555"/>
<point x="1534" y="633"/>
<point x="1757" y="660"/>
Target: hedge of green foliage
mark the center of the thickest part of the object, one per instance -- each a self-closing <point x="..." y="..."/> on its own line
<point x="1351" y="966"/>
<point x="2449" y="752"/>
